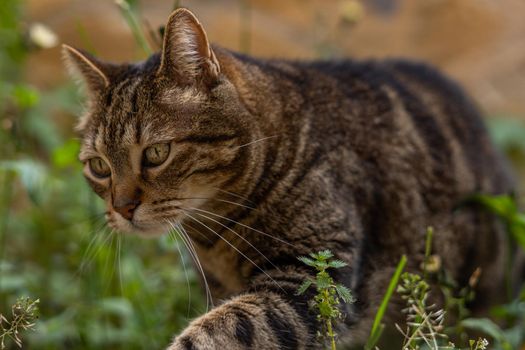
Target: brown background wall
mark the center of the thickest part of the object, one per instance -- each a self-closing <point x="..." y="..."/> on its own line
<point x="481" y="43"/>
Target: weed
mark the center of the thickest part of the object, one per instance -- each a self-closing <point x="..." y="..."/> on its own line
<point x="326" y="301"/>
<point x="23" y="316"/>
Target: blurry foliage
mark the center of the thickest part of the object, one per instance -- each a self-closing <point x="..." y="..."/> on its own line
<point x="97" y="290"/>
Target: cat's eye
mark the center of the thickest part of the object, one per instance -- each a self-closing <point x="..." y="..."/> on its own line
<point x="156" y="155"/>
<point x="99" y="167"/>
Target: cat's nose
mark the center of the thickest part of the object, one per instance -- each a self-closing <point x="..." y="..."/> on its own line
<point x="126" y="207"/>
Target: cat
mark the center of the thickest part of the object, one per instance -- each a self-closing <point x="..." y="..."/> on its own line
<point x="257" y="162"/>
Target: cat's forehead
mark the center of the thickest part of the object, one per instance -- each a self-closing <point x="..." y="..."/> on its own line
<point x="137" y="111"/>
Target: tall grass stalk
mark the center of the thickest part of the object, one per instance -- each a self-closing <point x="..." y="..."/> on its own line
<point x="377" y="326"/>
<point x="131" y="20"/>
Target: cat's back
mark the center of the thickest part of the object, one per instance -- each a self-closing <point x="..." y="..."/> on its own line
<point x="403" y="114"/>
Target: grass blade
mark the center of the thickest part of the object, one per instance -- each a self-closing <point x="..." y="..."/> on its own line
<point x="377" y="328"/>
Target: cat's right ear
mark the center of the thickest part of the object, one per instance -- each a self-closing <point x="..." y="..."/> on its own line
<point x="86" y="67"/>
<point x="187" y="56"/>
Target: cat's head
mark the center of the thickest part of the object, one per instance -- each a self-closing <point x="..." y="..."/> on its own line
<point x="161" y="137"/>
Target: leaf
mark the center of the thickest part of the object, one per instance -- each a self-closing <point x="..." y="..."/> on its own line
<point x="486" y="326"/>
<point x="304" y="286"/>
<point x="325" y="254"/>
<point x="337" y="264"/>
<point x="344" y="293"/>
<point x="321" y="265"/>
<point x="502" y="205"/>
<point x="307" y="261"/>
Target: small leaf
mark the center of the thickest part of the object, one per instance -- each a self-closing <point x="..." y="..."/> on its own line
<point x="344" y="293"/>
<point x="337" y="264"/>
<point x="486" y="326"/>
<point x="325" y="254"/>
<point x="306" y="261"/>
<point x="304" y="286"/>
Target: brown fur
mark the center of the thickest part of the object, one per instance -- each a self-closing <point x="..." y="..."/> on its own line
<point x="273" y="159"/>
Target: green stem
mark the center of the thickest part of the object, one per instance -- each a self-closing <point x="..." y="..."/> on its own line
<point x="330" y="333"/>
<point x="133" y="24"/>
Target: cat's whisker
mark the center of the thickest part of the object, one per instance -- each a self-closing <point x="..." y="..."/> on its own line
<point x="235" y="203"/>
<point x="198" y="231"/>
<point x="256" y="141"/>
<point x="108" y="264"/>
<point x="119" y="249"/>
<point x="220" y="200"/>
<point x="234" y="247"/>
<point x="241" y="237"/>
<point x="172" y="235"/>
<point x="94" y="248"/>
<point x="209" y="298"/>
<point x="243" y="225"/>
<point x="179" y="230"/>
<point x="233" y="194"/>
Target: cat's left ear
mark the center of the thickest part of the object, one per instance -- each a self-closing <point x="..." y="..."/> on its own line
<point x="90" y="70"/>
<point x="187" y="55"/>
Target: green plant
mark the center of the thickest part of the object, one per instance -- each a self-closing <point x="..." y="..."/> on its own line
<point x="377" y="326"/>
<point x="23" y="316"/>
<point x="326" y="301"/>
<point x="424" y="322"/>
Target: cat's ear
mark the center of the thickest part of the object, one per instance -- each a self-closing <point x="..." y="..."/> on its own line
<point x="186" y="53"/>
<point x="86" y="67"/>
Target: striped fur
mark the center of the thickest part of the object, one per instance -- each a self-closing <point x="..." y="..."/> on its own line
<point x="272" y="159"/>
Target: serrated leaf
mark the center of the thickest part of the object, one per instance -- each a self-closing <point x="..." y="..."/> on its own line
<point x="325" y="254"/>
<point x="344" y="293"/>
<point x="304" y="286"/>
<point x="337" y="264"/>
<point x="306" y="261"/>
<point x="321" y="265"/>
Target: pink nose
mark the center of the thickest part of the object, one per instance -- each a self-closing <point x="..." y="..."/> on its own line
<point x="126" y="207"/>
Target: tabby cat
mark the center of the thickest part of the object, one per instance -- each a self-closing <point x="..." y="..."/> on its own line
<point x="259" y="161"/>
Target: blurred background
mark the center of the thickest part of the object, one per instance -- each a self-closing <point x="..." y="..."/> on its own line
<point x="101" y="291"/>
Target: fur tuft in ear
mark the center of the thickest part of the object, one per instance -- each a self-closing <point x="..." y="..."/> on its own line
<point x="86" y="67"/>
<point x="186" y="53"/>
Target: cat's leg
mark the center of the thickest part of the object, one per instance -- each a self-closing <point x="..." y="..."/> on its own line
<point x="268" y="317"/>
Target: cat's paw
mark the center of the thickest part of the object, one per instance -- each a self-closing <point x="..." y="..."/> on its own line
<point x="203" y="341"/>
<point x="204" y="337"/>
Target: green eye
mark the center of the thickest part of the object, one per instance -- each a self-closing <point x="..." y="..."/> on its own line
<point x="156" y="154"/>
<point x="99" y="167"/>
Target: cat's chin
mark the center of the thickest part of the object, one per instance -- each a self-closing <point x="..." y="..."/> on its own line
<point x="153" y="231"/>
<point x="148" y="232"/>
